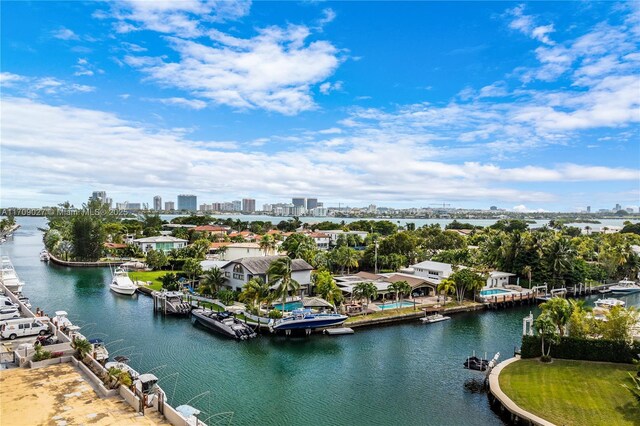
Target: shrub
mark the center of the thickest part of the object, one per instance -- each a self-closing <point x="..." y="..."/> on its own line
<point x="275" y="314"/>
<point x="583" y="349"/>
<point x="41" y="354"/>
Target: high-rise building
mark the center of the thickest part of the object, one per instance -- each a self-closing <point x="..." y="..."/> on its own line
<point x="248" y="205"/>
<point x="298" y="202"/>
<point x="312" y="203"/>
<point x="588" y="209"/>
<point x="99" y="195"/>
<point x="187" y="202"/>
<point x="134" y="206"/>
<point x="157" y="202"/>
<point x="169" y="206"/>
<point x="618" y="207"/>
<point x="237" y="205"/>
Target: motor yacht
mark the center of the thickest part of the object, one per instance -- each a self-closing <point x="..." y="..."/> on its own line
<point x="625" y="287"/>
<point x="305" y="319"/>
<point x="9" y="277"/>
<point x="224" y="323"/>
<point x="121" y="283"/>
<point x="609" y="303"/>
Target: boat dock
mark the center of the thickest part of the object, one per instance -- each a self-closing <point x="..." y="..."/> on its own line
<point x="338" y="331"/>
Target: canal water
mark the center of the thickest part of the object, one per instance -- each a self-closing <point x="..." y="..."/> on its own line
<point x="409" y="374"/>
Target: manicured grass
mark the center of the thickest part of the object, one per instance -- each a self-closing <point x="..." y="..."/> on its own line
<point x="153" y="276"/>
<point x="572" y="392"/>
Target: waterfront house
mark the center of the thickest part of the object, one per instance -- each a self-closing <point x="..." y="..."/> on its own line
<point x="498" y="279"/>
<point x="238" y="250"/>
<point x="165" y="243"/>
<point x="321" y="239"/>
<point x="239" y="271"/>
<point x="434" y="272"/>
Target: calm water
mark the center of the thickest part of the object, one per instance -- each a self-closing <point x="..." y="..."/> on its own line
<point x="409" y="374"/>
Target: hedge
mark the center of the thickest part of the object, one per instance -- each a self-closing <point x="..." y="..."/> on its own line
<point x="583" y="349"/>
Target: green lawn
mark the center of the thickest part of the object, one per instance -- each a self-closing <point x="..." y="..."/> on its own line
<point x="572" y="392"/>
<point x="153" y="276"/>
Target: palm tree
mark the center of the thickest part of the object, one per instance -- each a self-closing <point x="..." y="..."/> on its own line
<point x="65" y="248"/>
<point x="267" y="244"/>
<point x="446" y="286"/>
<point x="212" y="280"/>
<point x="327" y="288"/>
<point x="559" y="310"/>
<point x="83" y="347"/>
<point x="527" y="271"/>
<point x="365" y="290"/>
<point x="280" y="272"/>
<point x="255" y="291"/>
<point x="400" y="288"/>
<point x="221" y="251"/>
<point x="560" y="255"/>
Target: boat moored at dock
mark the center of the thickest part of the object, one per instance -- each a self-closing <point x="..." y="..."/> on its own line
<point x="609" y="303"/>
<point x="170" y="302"/>
<point x="305" y="319"/>
<point x="121" y="283"/>
<point x="434" y="318"/>
<point x="224" y="323"/>
<point x="625" y="287"/>
<point x="9" y="277"/>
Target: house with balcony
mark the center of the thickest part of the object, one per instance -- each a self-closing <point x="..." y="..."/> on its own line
<point x="239" y="271"/>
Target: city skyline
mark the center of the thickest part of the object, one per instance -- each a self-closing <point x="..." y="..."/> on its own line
<point x="528" y="106"/>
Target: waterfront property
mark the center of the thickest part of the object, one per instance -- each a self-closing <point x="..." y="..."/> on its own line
<point x="164" y="243"/>
<point x="239" y="271"/>
<point x="572" y="392"/>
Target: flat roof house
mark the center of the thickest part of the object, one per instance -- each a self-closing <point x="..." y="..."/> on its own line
<point x="165" y="243"/>
<point x="239" y="271"/>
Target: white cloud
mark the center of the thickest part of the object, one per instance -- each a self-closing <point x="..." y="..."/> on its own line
<point x="35" y="86"/>
<point x="183" y="18"/>
<point x="184" y="103"/>
<point x="526" y="25"/>
<point x="65" y="34"/>
<point x="328" y="15"/>
<point x="274" y="70"/>
<point x="328" y="87"/>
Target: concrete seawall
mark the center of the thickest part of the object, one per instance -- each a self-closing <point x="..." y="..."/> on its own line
<point x="83" y="264"/>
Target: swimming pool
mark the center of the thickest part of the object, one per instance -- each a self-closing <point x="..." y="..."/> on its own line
<point x="493" y="292"/>
<point x="289" y="306"/>
<point x="396" y="305"/>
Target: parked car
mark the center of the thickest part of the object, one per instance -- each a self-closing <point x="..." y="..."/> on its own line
<point x="9" y="313"/>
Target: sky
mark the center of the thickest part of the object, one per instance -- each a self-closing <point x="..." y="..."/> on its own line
<point x="526" y="106"/>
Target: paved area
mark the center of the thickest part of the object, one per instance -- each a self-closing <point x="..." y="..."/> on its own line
<point x="59" y="395"/>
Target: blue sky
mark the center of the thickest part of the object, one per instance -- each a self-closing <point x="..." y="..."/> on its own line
<point x="526" y="106"/>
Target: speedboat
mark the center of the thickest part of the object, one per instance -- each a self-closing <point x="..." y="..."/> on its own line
<point x="434" y="318"/>
<point x="305" y="319"/>
<point x="121" y="364"/>
<point x="8" y="276"/>
<point x="190" y="415"/>
<point x="475" y="363"/>
<point x="121" y="283"/>
<point x="224" y="323"/>
<point x="100" y="352"/>
<point x="609" y="303"/>
<point x="170" y="302"/>
<point x="625" y="287"/>
<point x="44" y="256"/>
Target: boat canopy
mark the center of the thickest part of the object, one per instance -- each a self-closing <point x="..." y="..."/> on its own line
<point x="61" y="313"/>
<point x="187" y="410"/>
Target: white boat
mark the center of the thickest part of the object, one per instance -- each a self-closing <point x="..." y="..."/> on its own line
<point x="609" y="303"/>
<point x="625" y="287"/>
<point x="304" y="319"/>
<point x="434" y="318"/>
<point x="9" y="277"/>
<point x="121" y="283"/>
<point x="121" y="365"/>
<point x="190" y="415"/>
<point x="100" y="352"/>
<point x="44" y="256"/>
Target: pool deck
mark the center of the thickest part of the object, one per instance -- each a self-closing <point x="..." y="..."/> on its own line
<point x="60" y="395"/>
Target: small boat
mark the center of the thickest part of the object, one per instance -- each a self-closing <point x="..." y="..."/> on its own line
<point x="475" y="363"/>
<point x="305" y="319"/>
<point x="44" y="256"/>
<point x="25" y="301"/>
<point x="434" y="318"/>
<point x="171" y="302"/>
<point x="100" y="352"/>
<point x="625" y="287"/>
<point x="190" y="415"/>
<point x="604" y="290"/>
<point x="9" y="277"/>
<point x="121" y="283"/>
<point x="609" y="303"/>
<point x="224" y="323"/>
<point x="121" y="364"/>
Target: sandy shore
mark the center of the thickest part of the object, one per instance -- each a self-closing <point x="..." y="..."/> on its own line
<point x="59" y="395"/>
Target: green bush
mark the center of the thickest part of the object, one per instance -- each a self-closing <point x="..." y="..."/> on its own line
<point x="275" y="314"/>
<point x="41" y="354"/>
<point x="583" y="349"/>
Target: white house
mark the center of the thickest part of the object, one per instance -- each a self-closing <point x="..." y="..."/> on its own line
<point x="432" y="271"/>
<point x="239" y="250"/>
<point x="239" y="271"/>
<point x="165" y="243"/>
<point x="498" y="279"/>
<point x="334" y="234"/>
<point x="322" y="240"/>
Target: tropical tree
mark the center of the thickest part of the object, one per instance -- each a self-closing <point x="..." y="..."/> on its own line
<point x="255" y="292"/>
<point x="267" y="244"/>
<point x="192" y="267"/>
<point x="559" y="310"/>
<point x="346" y="257"/>
<point x="117" y="377"/>
<point x="65" y="248"/>
<point x="447" y="286"/>
<point x="280" y="273"/>
<point x="327" y="288"/>
<point x="156" y="259"/>
<point x="226" y="297"/>
<point x="365" y="290"/>
<point x="212" y="280"/>
<point x="83" y="347"/>
<point x="199" y="248"/>
<point x="548" y="332"/>
<point x="618" y="324"/>
<point x="560" y="255"/>
<point x="169" y="281"/>
<point x="400" y="288"/>
<point x="297" y="244"/>
<point x="527" y="270"/>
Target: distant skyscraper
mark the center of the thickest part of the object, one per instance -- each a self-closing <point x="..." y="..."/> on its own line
<point x="157" y="202"/>
<point x="588" y="209"/>
<point x="312" y="203"/>
<point x="187" y="202"/>
<point x="237" y="205"/>
<point x="169" y="206"/>
<point x="248" y="205"/>
<point x="618" y="207"/>
<point x="298" y="202"/>
<point x="133" y="206"/>
<point x="99" y="195"/>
